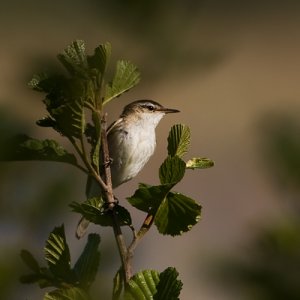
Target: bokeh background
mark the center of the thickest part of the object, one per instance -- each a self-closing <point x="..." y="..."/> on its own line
<point x="232" y="69"/>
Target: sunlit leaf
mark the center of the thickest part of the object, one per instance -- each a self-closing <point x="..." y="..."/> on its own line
<point x="87" y="264"/>
<point x="177" y="214"/>
<point x="172" y="170"/>
<point x="126" y="77"/>
<point x="179" y="140"/>
<point x="142" y="285"/>
<point x="169" y="286"/>
<point x="101" y="57"/>
<point x="74" y="58"/>
<point x="199" y="163"/>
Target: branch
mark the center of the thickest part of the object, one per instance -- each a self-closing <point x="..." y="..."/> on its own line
<point x="137" y="237"/>
<point x="86" y="162"/>
<point x="127" y="269"/>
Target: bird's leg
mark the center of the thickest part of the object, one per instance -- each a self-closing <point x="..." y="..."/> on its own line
<point x="107" y="163"/>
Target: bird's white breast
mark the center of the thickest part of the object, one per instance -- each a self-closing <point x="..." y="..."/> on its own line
<point x="130" y="148"/>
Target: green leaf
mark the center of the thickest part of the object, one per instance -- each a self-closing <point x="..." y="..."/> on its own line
<point x="74" y="58"/>
<point x="57" y="254"/>
<point x="23" y="147"/>
<point x="69" y="293"/>
<point x="95" y="210"/>
<point x="179" y="140"/>
<point x="177" y="214"/>
<point x="87" y="264"/>
<point x="126" y="77"/>
<point x="30" y="261"/>
<point x="142" y="285"/>
<point x="169" y="286"/>
<point x="148" y="198"/>
<point x="118" y="285"/>
<point x="69" y="111"/>
<point x="65" y="101"/>
<point x="199" y="163"/>
<point x="42" y="278"/>
<point x="172" y="170"/>
<point x="101" y="57"/>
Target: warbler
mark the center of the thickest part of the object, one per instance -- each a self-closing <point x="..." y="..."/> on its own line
<point x="131" y="142"/>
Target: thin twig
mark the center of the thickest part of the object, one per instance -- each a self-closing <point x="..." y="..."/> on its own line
<point x="137" y="237"/>
<point x="111" y="202"/>
<point x="86" y="162"/>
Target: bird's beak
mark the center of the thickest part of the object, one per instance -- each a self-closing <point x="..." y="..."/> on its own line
<point x="168" y="110"/>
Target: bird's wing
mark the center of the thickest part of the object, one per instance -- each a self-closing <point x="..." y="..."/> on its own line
<point x="113" y="125"/>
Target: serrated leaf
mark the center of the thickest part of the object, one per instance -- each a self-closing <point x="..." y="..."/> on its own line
<point x="172" y="170"/>
<point x="36" y="83"/>
<point x="87" y="264"/>
<point x="179" y="140"/>
<point x="169" y="286"/>
<point x="142" y="285"/>
<point x="30" y="261"/>
<point x="57" y="254"/>
<point x="177" y="214"/>
<point x="65" y="101"/>
<point x="94" y="210"/>
<point x="148" y="198"/>
<point x="101" y="58"/>
<point x="126" y="77"/>
<point x="22" y="147"/>
<point x="70" y="293"/>
<point x="69" y="111"/>
<point x="199" y="163"/>
<point x="74" y="58"/>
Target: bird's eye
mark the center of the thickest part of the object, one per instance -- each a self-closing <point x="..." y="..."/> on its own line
<point x="150" y="107"/>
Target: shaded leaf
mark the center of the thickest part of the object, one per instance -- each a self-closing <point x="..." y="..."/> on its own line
<point x="179" y="140"/>
<point x="87" y="264"/>
<point x="126" y="77"/>
<point x="142" y="285"/>
<point x="23" y="147"/>
<point x="172" y="170"/>
<point x="169" y="286"/>
<point x="177" y="214"/>
<point x="30" y="261"/>
<point x="57" y="254"/>
<point x="199" y="163"/>
<point x="43" y="279"/>
<point x="71" y="293"/>
<point x="95" y="210"/>
<point x="118" y="285"/>
<point x="148" y="198"/>
<point x="65" y="101"/>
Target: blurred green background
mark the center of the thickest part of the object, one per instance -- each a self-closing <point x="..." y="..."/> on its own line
<point x="232" y="69"/>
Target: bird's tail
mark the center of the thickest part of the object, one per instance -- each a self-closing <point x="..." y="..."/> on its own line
<point x="92" y="190"/>
<point x="82" y="227"/>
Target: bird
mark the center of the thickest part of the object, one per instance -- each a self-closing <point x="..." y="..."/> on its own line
<point x="131" y="142"/>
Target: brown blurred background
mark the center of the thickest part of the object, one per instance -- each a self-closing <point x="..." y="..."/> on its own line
<point x="232" y="69"/>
